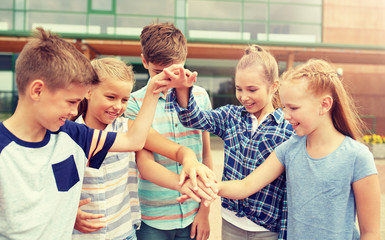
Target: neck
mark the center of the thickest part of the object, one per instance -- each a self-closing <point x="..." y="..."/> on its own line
<point x="266" y="110"/>
<point x="93" y="123"/>
<point x="27" y="130"/>
<point x="324" y="140"/>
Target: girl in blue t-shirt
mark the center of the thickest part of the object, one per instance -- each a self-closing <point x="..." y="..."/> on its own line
<point x="331" y="177"/>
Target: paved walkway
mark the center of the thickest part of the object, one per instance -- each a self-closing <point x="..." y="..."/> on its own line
<point x="215" y="212"/>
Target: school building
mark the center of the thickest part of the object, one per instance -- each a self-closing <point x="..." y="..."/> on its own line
<point x="349" y="33"/>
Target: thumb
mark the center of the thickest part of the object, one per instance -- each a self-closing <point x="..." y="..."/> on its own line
<point x="84" y="201"/>
<point x="193" y="230"/>
<point x="182" y="178"/>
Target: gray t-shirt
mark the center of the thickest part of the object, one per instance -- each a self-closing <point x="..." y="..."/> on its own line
<point x="319" y="191"/>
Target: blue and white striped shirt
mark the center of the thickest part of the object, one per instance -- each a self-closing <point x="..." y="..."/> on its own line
<point x="245" y="151"/>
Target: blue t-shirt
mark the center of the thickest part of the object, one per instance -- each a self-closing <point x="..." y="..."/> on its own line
<point x="40" y="182"/>
<point x="319" y="191"/>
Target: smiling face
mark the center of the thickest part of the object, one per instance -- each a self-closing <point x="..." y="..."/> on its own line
<point x="302" y="109"/>
<point x="107" y="101"/>
<point x="55" y="107"/>
<point x="253" y="92"/>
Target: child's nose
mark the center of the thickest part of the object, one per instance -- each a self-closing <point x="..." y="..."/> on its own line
<point x="118" y="105"/>
<point x="74" y="111"/>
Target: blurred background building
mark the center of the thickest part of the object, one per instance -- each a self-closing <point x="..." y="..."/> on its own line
<point x="349" y="33"/>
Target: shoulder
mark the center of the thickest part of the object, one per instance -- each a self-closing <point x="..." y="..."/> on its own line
<point x="293" y="142"/>
<point x="5" y="138"/>
<point x="364" y="164"/>
<point x="198" y="90"/>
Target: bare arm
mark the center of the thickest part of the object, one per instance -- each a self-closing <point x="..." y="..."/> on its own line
<point x="136" y="135"/>
<point x="367" y="196"/>
<point x="255" y="181"/>
<point x="159" y="175"/>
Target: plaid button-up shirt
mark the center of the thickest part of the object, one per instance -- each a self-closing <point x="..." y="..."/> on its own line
<point x="245" y="151"/>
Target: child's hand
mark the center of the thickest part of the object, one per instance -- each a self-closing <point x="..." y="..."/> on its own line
<point x="82" y="223"/>
<point x="179" y="76"/>
<point x="201" y="192"/>
<point x="193" y="169"/>
<point x="185" y="197"/>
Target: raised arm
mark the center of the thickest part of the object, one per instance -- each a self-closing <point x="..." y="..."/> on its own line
<point x="267" y="172"/>
<point x="135" y="137"/>
<point x="367" y="196"/>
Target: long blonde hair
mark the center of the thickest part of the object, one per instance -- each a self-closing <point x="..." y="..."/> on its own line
<point x="322" y="78"/>
<point x="255" y="56"/>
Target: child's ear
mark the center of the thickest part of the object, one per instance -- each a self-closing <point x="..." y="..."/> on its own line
<point x="326" y="104"/>
<point x="145" y="64"/>
<point x="275" y="86"/>
<point x="88" y="95"/>
<point x="36" y="88"/>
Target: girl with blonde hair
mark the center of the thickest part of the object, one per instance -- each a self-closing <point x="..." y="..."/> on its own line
<point x="331" y="176"/>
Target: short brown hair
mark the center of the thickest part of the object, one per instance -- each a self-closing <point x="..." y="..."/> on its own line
<point x="163" y="44"/>
<point x="55" y="61"/>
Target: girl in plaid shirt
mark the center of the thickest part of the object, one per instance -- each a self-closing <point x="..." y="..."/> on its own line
<point x="250" y="133"/>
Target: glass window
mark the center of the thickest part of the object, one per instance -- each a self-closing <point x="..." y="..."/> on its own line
<point x="6" y="80"/>
<point x="58" y="5"/>
<point x="74" y="23"/>
<point x="295" y="13"/>
<point x="105" y="22"/>
<point x="148" y="7"/>
<point x="133" y="25"/>
<point x="294" y="33"/>
<point x="19" y="4"/>
<point x="300" y="1"/>
<point x="255" y="11"/>
<point x="6" y="20"/>
<point x="210" y="29"/>
<point x="204" y="9"/>
<point x="6" y="4"/>
<point x="101" y="5"/>
<point x="19" y="20"/>
<point x="254" y="29"/>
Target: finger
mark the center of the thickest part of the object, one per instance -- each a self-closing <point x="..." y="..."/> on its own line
<point x="203" y="194"/>
<point x="88" y="230"/>
<point x="192" y="195"/>
<point x="193" y="177"/>
<point x="159" y="90"/>
<point x="84" y="201"/>
<point x="182" y="178"/>
<point x="91" y="216"/>
<point x="207" y="203"/>
<point x="182" y="198"/>
<point x="193" y="230"/>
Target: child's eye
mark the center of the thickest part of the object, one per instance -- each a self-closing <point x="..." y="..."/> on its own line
<point x="110" y="97"/>
<point x="124" y="100"/>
